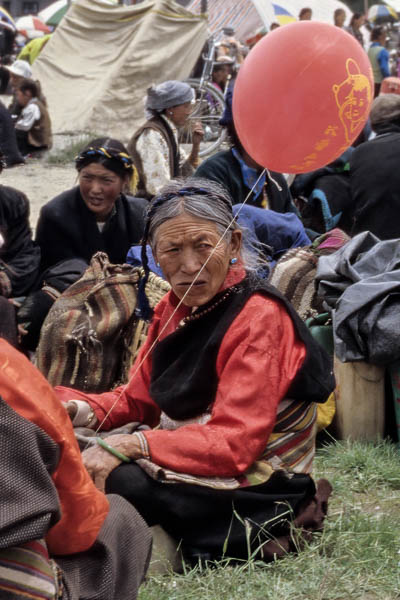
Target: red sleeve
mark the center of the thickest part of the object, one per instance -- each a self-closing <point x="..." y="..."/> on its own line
<point x="132" y="402"/>
<point x="257" y="361"/>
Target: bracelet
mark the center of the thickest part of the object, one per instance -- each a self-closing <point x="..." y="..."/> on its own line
<point x="112" y="450"/>
<point x="144" y="447"/>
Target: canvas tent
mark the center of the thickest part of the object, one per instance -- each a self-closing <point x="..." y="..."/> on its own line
<point x="96" y="68"/>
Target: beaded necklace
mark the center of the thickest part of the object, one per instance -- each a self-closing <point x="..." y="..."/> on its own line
<point x="200" y="313"/>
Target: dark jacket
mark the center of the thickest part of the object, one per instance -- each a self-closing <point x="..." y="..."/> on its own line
<point x="375" y="186"/>
<point x="19" y="256"/>
<point x="8" y="140"/>
<point x="67" y="229"/>
<point x="225" y="169"/>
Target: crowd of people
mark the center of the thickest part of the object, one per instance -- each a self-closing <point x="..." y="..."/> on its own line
<point x="213" y="435"/>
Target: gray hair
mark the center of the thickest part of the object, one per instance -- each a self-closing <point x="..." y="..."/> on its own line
<point x="214" y="206"/>
<point x="385" y="108"/>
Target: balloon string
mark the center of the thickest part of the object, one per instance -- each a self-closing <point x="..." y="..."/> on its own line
<point x="139" y="366"/>
<point x="274" y="180"/>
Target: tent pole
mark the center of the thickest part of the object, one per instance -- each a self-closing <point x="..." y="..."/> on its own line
<point x="365" y="7"/>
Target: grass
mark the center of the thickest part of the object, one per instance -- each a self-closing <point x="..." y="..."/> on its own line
<point x="67" y="154"/>
<point x="356" y="557"/>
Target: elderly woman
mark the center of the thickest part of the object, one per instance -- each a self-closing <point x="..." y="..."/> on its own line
<point x="155" y="146"/>
<point x="227" y="380"/>
<point x="98" y="214"/>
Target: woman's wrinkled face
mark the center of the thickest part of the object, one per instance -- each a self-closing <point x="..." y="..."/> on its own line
<point x="100" y="189"/>
<point x="180" y="114"/>
<point x="182" y="246"/>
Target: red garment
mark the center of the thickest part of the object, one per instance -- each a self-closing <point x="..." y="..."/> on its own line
<point x="258" y="359"/>
<point x="83" y="507"/>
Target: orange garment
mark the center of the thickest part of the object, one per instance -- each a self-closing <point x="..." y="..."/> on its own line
<point x="83" y="507"/>
<point x="258" y="359"/>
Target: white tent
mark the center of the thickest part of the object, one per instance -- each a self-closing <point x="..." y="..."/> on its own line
<point x="101" y="59"/>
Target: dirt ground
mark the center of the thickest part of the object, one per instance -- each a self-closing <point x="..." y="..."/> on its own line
<point x="40" y="181"/>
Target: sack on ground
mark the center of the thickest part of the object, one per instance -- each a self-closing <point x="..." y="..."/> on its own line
<point x="91" y="335"/>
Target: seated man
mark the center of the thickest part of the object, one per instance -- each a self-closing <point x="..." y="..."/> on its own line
<point x="33" y="127"/>
<point x="242" y="176"/>
<point x="374" y="173"/>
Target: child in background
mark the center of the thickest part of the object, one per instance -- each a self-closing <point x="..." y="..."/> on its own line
<point x="33" y="127"/>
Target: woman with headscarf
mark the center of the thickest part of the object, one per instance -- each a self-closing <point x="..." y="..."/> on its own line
<point x="228" y="378"/>
<point x="97" y="215"/>
<point x="155" y="146"/>
<point x="99" y="545"/>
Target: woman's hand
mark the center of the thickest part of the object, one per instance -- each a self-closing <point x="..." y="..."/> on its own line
<point x="99" y="462"/>
<point x="197" y="134"/>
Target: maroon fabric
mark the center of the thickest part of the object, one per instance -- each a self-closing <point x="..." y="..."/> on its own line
<point x="8" y="322"/>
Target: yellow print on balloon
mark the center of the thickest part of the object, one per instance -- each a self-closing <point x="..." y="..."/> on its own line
<point x="353" y="98"/>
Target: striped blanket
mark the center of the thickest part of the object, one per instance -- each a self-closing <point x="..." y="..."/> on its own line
<point x="26" y="572"/>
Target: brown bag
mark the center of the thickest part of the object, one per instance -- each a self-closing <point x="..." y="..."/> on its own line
<point x="91" y="335"/>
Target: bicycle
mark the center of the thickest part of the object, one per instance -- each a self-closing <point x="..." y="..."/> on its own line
<point x="209" y="105"/>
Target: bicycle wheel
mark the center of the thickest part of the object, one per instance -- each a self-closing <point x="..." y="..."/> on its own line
<point x="208" y="109"/>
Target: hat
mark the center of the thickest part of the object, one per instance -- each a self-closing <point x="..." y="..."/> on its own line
<point x="21" y="68"/>
<point x="224" y="60"/>
<point x="168" y="94"/>
<point x="385" y="108"/>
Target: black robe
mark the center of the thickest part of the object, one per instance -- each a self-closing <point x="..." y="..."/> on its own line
<point x="67" y="229"/>
<point x="375" y="186"/>
<point x="19" y="256"/>
<point x="224" y="168"/>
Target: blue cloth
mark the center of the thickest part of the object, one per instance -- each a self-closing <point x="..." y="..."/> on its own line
<point x="277" y="231"/>
<point x="250" y="175"/>
<point x="134" y="258"/>
<point x="383" y="60"/>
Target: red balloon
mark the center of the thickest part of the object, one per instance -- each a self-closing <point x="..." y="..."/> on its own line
<point x="302" y="96"/>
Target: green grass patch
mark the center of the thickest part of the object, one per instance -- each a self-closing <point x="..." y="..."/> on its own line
<point x="70" y="151"/>
<point x="356" y="557"/>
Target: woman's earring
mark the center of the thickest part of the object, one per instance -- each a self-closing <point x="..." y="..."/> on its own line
<point x="158" y="264"/>
<point x="233" y="261"/>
